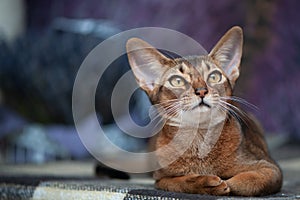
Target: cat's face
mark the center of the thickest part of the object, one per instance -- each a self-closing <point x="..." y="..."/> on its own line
<point x="195" y="84"/>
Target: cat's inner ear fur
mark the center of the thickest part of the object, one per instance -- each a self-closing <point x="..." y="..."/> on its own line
<point x="228" y="52"/>
<point x="147" y="63"/>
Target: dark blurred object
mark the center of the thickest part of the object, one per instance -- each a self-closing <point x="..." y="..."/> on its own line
<point x="105" y="171"/>
<point x="10" y="122"/>
<point x="32" y="145"/>
<point x="24" y="142"/>
<point x="37" y="72"/>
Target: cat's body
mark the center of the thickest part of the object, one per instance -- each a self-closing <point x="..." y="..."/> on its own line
<point x="196" y="96"/>
<point x="233" y="154"/>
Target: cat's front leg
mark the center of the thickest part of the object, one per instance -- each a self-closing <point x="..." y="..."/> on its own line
<point x="200" y="184"/>
<point x="262" y="181"/>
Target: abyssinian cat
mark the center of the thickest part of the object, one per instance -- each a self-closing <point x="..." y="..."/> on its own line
<point x="198" y="91"/>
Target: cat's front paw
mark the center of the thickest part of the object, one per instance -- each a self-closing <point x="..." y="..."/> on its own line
<point x="211" y="184"/>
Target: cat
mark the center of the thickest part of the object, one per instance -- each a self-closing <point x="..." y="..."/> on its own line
<point x="192" y="89"/>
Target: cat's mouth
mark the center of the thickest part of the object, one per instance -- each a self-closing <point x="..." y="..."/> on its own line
<point x="201" y="104"/>
<point x="204" y="104"/>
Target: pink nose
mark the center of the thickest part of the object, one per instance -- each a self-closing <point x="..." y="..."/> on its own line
<point x="201" y="92"/>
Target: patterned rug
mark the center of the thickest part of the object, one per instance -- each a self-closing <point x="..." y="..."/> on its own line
<point x="91" y="188"/>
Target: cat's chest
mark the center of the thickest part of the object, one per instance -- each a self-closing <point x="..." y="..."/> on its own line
<point x="200" y="156"/>
<point x="204" y="157"/>
<point x="195" y="160"/>
<point x="189" y="164"/>
<point x="210" y="152"/>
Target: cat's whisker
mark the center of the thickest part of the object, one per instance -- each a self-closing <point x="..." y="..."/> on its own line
<point x="225" y="110"/>
<point x="174" y="111"/>
<point x="161" y="120"/>
<point x="158" y="117"/>
<point x="170" y="108"/>
<point x="166" y="111"/>
<point x="154" y="109"/>
<point x="241" y="101"/>
<point x="222" y="108"/>
<point x="234" y="111"/>
<point x="232" y="107"/>
<point x="166" y="102"/>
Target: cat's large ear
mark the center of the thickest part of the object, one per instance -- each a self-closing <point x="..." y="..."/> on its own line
<point x="228" y="52"/>
<point x="147" y="63"/>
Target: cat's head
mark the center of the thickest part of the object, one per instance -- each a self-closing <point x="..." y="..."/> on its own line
<point x="195" y="83"/>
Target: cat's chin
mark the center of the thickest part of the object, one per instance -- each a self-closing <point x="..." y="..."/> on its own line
<point x="202" y="117"/>
<point x="202" y="108"/>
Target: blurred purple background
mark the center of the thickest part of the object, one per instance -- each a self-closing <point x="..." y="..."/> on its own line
<point x="271" y="61"/>
<point x="271" y="65"/>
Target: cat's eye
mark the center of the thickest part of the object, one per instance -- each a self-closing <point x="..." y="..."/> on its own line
<point x="177" y="81"/>
<point x="215" y="77"/>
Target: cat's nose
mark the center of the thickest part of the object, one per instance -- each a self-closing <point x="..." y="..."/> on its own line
<point x="201" y="92"/>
